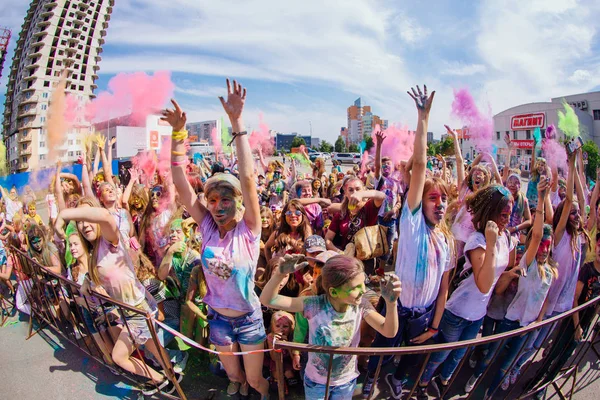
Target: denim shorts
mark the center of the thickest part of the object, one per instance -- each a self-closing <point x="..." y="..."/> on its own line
<point x="316" y="391"/>
<point x="247" y="329"/>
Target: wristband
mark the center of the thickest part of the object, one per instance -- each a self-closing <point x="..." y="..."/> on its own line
<point x="236" y="134"/>
<point x="178" y="153"/>
<point x="539" y="211"/>
<point x="432" y="330"/>
<point x="178" y="163"/>
<point x="180" y="135"/>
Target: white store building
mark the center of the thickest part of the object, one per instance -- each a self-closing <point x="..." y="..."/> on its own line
<point x="520" y="121"/>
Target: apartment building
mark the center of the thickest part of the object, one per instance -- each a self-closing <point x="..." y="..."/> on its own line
<point x="55" y="36"/>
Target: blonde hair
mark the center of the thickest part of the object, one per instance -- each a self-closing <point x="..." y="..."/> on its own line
<point x="92" y="265"/>
<point x="227" y="182"/>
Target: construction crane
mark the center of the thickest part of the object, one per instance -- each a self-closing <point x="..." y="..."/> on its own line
<point x="4" y="39"/>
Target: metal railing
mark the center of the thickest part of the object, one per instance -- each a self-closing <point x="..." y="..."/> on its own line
<point x="57" y="303"/>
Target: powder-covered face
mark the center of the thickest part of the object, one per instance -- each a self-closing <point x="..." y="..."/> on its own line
<point x="136" y="202"/>
<point x="265" y="220"/>
<point x="562" y="191"/>
<point x="36" y="243"/>
<point x="331" y="178"/>
<point x="276" y="175"/>
<point x="31" y="210"/>
<point x="77" y="249"/>
<point x="386" y="168"/>
<point x="222" y="205"/>
<point x="478" y="180"/>
<point x="513" y="184"/>
<point x="306" y="192"/>
<point x="544" y="249"/>
<point x="351" y="292"/>
<point x="504" y="217"/>
<point x="155" y="195"/>
<point x="176" y="233"/>
<point x="435" y="203"/>
<point x="283" y="326"/>
<point x="293" y="217"/>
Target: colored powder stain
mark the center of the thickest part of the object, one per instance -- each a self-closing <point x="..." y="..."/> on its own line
<point x="555" y="154"/>
<point x="299" y="158"/>
<point x="262" y="138"/>
<point x="481" y="126"/>
<point x="398" y="144"/>
<point x="57" y="126"/>
<point x="568" y="121"/>
<point x="225" y="137"/>
<point x="537" y="135"/>
<point x="12" y="323"/>
<point x="118" y="390"/>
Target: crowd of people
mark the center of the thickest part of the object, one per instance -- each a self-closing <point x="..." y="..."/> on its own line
<point x="237" y="253"/>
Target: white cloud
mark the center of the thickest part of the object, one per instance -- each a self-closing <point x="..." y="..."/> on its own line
<point x="460" y="69"/>
<point x="409" y="29"/>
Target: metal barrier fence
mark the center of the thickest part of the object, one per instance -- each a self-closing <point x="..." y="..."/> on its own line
<point x="56" y="302"/>
<point x="560" y="362"/>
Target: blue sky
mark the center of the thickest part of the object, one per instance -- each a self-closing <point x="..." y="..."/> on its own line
<point x="308" y="61"/>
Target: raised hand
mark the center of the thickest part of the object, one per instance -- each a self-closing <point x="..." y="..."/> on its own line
<point x="421" y="99"/>
<point x="292" y="263"/>
<point x="379" y="136"/>
<point x="175" y="117"/>
<point x="543" y="185"/>
<point x="236" y="98"/>
<point x="491" y="232"/>
<point x="112" y="141"/>
<point x="134" y="174"/>
<point x="101" y="141"/>
<point x="390" y="288"/>
<point x="450" y="131"/>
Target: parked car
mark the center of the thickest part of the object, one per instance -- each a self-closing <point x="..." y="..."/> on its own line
<point x="347" y="158"/>
<point x="314" y="155"/>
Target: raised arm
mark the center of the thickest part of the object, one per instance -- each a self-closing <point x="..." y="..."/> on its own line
<point x="564" y="218"/>
<point x="105" y="164"/>
<point x="177" y="119"/>
<point x="538" y="223"/>
<point x="95" y="215"/>
<point x="261" y="159"/>
<point x="495" y="172"/>
<point x="419" y="157"/>
<point x="133" y="177"/>
<point x="483" y="261"/>
<point x="270" y="296"/>
<point x="379" y="138"/>
<point x="58" y="190"/>
<point x="234" y="106"/>
<point x="460" y="162"/>
<point x="591" y="222"/>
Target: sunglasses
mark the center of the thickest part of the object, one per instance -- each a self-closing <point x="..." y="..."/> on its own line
<point x="156" y="192"/>
<point x="297" y="213"/>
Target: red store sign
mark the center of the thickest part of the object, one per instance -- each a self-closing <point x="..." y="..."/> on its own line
<point x="522" y="144"/>
<point x="527" y="121"/>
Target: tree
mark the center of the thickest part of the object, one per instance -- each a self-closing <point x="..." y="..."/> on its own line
<point x="326" y="147"/>
<point x="593" y="159"/>
<point x="298" y="141"/>
<point x="353" y="148"/>
<point x="368" y="142"/>
<point x="340" y="145"/>
<point x="446" y="147"/>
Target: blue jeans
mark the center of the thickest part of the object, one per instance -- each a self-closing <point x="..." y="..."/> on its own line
<point x="247" y="329"/>
<point x="392" y="234"/>
<point x="404" y="315"/>
<point x="535" y="341"/>
<point x="316" y="391"/>
<point x="452" y="329"/>
<point x="514" y="348"/>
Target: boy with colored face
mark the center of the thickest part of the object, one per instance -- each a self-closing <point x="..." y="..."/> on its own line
<point x="32" y="214"/>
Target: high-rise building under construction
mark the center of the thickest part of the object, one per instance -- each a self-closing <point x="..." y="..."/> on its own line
<point x="56" y="36"/>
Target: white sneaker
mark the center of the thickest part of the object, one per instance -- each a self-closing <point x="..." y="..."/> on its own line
<point x="471" y="383"/>
<point x="233" y="388"/>
<point x="473" y="359"/>
<point x="505" y="384"/>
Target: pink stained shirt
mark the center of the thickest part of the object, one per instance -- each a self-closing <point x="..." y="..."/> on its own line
<point x="229" y="266"/>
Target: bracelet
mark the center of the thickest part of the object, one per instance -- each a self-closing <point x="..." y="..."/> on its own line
<point x="178" y="153"/>
<point x="432" y="330"/>
<point x="236" y="134"/>
<point x="178" y="163"/>
<point x="180" y="135"/>
<point x="539" y="211"/>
